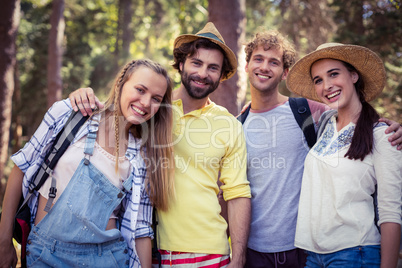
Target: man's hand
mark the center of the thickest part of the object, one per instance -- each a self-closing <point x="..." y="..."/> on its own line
<point x="84" y="99"/>
<point x="396" y="138"/>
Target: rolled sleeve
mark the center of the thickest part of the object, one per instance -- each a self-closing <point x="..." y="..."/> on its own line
<point x="234" y="169"/>
<point x="388" y="170"/>
<point x="144" y="218"/>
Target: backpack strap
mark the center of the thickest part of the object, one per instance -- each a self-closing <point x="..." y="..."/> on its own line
<point x="323" y="121"/>
<point x="60" y="145"/>
<point x="242" y="117"/>
<point x="301" y="112"/>
<point x="155" y="252"/>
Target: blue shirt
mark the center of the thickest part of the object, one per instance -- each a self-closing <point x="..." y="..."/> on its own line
<point x="136" y="212"/>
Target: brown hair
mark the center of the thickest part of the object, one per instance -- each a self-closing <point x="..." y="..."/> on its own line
<point x="272" y="39"/>
<point x="156" y="134"/>
<point x="181" y="53"/>
<point x="362" y="140"/>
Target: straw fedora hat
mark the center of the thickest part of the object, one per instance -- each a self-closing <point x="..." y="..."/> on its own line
<point x="366" y="62"/>
<point x="211" y="33"/>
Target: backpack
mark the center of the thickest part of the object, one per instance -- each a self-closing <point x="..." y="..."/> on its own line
<point x="59" y="146"/>
<point x="302" y="113"/>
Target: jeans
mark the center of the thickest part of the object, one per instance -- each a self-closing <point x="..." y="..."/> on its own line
<point x="293" y="258"/>
<point x="356" y="257"/>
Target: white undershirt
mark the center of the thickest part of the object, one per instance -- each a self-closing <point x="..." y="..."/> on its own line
<point x="101" y="159"/>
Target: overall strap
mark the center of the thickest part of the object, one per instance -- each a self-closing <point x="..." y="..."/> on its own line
<point x="301" y="112"/>
<point x="90" y="139"/>
<point x="89" y="144"/>
<point x="92" y="135"/>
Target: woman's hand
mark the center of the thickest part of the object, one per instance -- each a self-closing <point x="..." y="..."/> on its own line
<point x="12" y="196"/>
<point x="7" y="252"/>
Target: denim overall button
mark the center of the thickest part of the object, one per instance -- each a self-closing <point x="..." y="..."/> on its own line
<point x="120" y="195"/>
<point x="86" y="162"/>
<point x="29" y="242"/>
<point x="125" y="251"/>
<point x="127" y="262"/>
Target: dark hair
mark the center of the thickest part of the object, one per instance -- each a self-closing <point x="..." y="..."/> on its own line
<point x="362" y="140"/>
<point x="181" y="53"/>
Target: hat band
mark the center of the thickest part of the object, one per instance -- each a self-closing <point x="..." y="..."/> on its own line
<point x="212" y="36"/>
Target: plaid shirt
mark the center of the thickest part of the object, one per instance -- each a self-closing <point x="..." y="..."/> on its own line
<point x="136" y="213"/>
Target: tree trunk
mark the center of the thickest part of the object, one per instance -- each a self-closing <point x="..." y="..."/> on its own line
<point x="55" y="53"/>
<point x="118" y="35"/>
<point x="9" y="21"/>
<point x="231" y="93"/>
<point x="127" y="28"/>
<point x="124" y="32"/>
<point x="16" y="126"/>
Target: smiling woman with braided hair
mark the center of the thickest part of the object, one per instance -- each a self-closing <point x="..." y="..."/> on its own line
<point x="107" y="180"/>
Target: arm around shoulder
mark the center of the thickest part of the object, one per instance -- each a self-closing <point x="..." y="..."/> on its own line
<point x="396" y="138"/>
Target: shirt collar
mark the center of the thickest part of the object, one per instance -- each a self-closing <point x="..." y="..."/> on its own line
<point x="197" y="113"/>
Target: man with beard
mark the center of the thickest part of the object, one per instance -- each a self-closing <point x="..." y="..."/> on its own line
<point x="209" y="144"/>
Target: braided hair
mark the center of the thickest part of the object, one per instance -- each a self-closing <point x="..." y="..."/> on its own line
<point x="153" y="133"/>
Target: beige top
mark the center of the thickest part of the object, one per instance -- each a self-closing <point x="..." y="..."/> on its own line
<point x="102" y="160"/>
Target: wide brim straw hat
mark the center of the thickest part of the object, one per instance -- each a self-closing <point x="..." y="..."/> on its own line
<point x="211" y="33"/>
<point x="366" y="62"/>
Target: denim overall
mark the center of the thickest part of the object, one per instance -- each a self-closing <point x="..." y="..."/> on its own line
<point x="73" y="233"/>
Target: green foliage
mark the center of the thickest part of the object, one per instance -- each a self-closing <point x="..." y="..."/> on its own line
<point x="92" y="55"/>
<point x="90" y="34"/>
<point x="378" y="26"/>
<point x="261" y="15"/>
<point x="32" y="62"/>
<point x="158" y="22"/>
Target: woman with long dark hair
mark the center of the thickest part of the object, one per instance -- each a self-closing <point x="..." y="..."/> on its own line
<point x="351" y="159"/>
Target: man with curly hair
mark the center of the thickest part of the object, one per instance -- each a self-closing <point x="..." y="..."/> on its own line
<point x="276" y="151"/>
<point x="276" y="148"/>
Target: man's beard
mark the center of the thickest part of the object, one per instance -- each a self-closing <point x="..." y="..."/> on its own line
<point x="194" y="91"/>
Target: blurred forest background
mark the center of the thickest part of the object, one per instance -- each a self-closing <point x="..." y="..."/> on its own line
<point x="52" y="47"/>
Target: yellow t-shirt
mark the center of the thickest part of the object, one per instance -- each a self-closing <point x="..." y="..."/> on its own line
<point x="208" y="142"/>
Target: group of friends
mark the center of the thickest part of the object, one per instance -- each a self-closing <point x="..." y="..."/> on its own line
<point x="150" y="147"/>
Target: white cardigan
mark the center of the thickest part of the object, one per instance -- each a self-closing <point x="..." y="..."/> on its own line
<point x="336" y="208"/>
